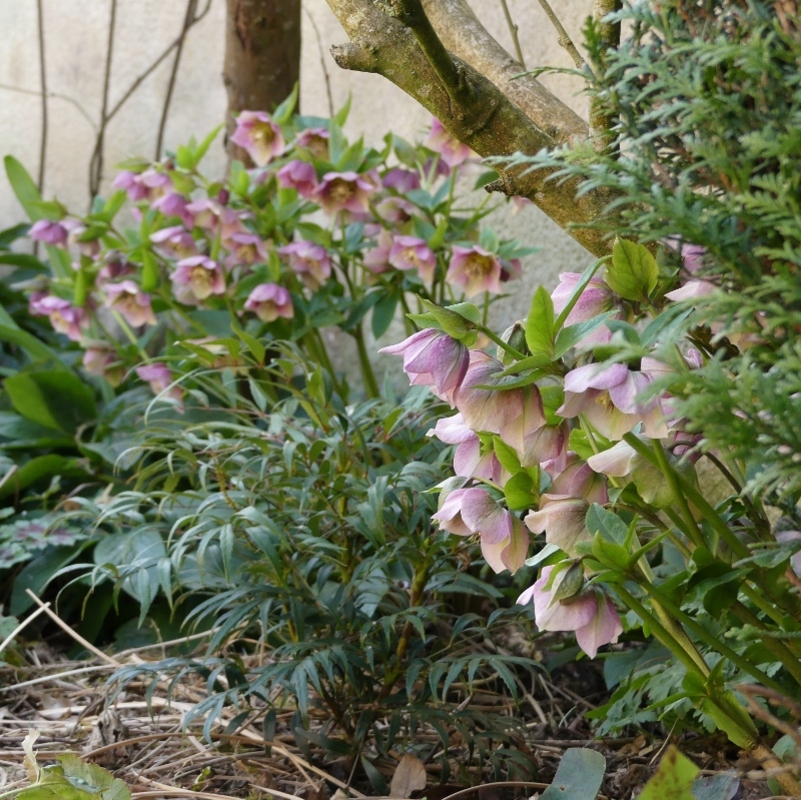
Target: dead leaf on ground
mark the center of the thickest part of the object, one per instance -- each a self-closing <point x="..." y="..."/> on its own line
<point x="410" y="776"/>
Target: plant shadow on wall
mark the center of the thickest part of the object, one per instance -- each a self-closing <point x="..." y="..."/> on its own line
<point x="254" y="497"/>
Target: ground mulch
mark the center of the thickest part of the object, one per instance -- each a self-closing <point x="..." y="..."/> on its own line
<point x="141" y="737"/>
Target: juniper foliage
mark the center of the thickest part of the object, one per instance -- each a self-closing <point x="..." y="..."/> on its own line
<point x="704" y="148"/>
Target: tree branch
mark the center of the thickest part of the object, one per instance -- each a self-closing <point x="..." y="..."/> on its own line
<point x="463" y="34"/>
<point x="470" y="106"/>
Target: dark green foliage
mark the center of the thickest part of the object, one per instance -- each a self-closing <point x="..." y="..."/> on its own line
<point x="705" y="98"/>
<point x="305" y="525"/>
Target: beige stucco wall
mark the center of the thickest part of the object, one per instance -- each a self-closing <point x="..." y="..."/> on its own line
<point x="76" y="40"/>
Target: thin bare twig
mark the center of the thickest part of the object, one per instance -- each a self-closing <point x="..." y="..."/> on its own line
<point x="96" y="164"/>
<point x="513" y="30"/>
<point x="564" y="37"/>
<point x="36" y="93"/>
<point x="189" y="17"/>
<point x="78" y="638"/>
<point x="138" y="82"/>
<point x="323" y="64"/>
<point x="43" y="84"/>
<point x="24" y="624"/>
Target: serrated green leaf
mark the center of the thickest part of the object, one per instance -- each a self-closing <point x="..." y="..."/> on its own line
<point x="539" y="328"/>
<point x="633" y="273"/>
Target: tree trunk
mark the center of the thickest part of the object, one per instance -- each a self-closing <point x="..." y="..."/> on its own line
<point x="262" y="54"/>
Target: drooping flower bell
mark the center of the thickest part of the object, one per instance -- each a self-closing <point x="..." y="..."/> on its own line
<point x="258" y="136"/>
<point x="432" y="358"/>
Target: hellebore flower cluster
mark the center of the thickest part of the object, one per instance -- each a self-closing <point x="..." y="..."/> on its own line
<point x="539" y="451"/>
<point x="313" y="226"/>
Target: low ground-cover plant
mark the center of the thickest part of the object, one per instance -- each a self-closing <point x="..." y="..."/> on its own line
<point x="321" y="234"/>
<point x="262" y="502"/>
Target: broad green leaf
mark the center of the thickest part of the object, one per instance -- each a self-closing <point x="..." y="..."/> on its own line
<point x="520" y="492"/>
<point x="23" y="186"/>
<point x="633" y="273"/>
<point x="570" y="336"/>
<point x="22" y="260"/>
<point x="578" y="777"/>
<point x="55" y="398"/>
<point x="540" y="325"/>
<point x="673" y="779"/>
<point x="203" y="147"/>
<point x="383" y="314"/>
<point x="608" y="524"/>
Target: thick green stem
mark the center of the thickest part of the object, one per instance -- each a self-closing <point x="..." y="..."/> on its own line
<point x="370" y="382"/>
<point x="661" y="632"/>
<point x="671" y="477"/>
<point x="714" y="642"/>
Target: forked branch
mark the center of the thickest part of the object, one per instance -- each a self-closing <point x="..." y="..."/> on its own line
<point x="469" y="105"/>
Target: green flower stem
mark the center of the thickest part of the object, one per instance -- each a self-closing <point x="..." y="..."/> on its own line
<point x="712" y="641"/>
<point x="755" y="514"/>
<point x="777" y="647"/>
<point x="130" y="335"/>
<point x="687" y="657"/>
<point x="686" y="491"/>
<point x="316" y="348"/>
<point x="659" y="525"/>
<point x="505" y="346"/>
<point x="695" y="534"/>
<point x="370" y="382"/>
<point x="763" y="605"/>
<point x="415" y="596"/>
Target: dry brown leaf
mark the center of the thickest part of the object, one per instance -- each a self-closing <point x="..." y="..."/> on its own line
<point x="29" y="761"/>
<point x="410" y="776"/>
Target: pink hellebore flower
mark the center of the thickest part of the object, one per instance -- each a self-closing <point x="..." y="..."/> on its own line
<point x="504" y="541"/>
<point x="160" y="379"/>
<point x="376" y="259"/>
<point x="315" y="140"/>
<point x="211" y="216"/>
<point x="49" y="232"/>
<point x="345" y="191"/>
<point x="564" y="507"/>
<point x="299" y="175"/>
<point x="197" y="278"/>
<point x="409" y="252"/>
<point x="64" y="317"/>
<point x="432" y="358"/>
<point x="491" y="410"/>
<point x="691" y="290"/>
<point x="174" y="242"/>
<point x="101" y="360"/>
<point x="147" y="185"/>
<point x="607" y="396"/>
<point x="245" y="248"/>
<point x="268" y="301"/>
<point x="259" y="136"/>
<point x="397" y="210"/>
<point x="468" y="460"/>
<point x="130" y="302"/>
<point x="450" y="149"/>
<point x="174" y="204"/>
<point x="475" y="270"/>
<point x="401" y="180"/>
<point x="596" y="298"/>
<point x="590" y="614"/>
<point x="310" y="261"/>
